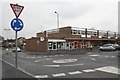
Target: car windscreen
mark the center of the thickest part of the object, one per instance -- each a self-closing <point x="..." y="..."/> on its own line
<point x="107" y="45"/>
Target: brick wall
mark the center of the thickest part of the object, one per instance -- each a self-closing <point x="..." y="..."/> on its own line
<point x="34" y="44"/>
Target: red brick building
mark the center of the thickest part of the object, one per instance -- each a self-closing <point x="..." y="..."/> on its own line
<point x="68" y="38"/>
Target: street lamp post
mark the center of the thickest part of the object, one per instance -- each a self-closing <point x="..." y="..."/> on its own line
<point x="57" y="19"/>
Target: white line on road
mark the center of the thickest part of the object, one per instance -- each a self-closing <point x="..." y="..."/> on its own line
<point x="65" y="60"/>
<point x="75" y="72"/>
<point x="41" y="76"/>
<point x="50" y="56"/>
<point x="89" y="70"/>
<point x="90" y="53"/>
<point x="109" y="69"/>
<point x="74" y="65"/>
<point x="52" y="65"/>
<point x="43" y="59"/>
<point x="92" y="59"/>
<point x="106" y="56"/>
<point x="56" y="55"/>
<point x="112" y="56"/>
<point x="61" y="55"/>
<point x="94" y="55"/>
<point x="30" y="57"/>
<point x="58" y="74"/>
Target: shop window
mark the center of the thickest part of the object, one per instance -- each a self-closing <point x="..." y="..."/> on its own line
<point x="54" y="45"/>
<point x="74" y="32"/>
<point x="50" y="45"/>
<point x="83" y="32"/>
<point x="79" y="32"/>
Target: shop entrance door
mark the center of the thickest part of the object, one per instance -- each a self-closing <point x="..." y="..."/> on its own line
<point x="54" y="46"/>
<point x="82" y="45"/>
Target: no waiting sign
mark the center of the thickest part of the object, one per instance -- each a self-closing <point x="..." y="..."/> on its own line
<point x="17" y="9"/>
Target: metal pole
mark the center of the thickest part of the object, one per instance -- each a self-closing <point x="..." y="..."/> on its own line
<point x="16" y="52"/>
<point x="58" y="20"/>
<point x="16" y="49"/>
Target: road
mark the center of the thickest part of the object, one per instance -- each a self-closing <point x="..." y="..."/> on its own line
<point x="90" y="65"/>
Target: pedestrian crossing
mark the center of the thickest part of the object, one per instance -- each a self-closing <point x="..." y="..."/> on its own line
<point x="106" y="69"/>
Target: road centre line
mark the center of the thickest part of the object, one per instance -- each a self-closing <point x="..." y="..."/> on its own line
<point x="58" y="74"/>
<point x="75" y="72"/>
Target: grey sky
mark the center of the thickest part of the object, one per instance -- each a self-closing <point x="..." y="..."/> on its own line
<point x="100" y="14"/>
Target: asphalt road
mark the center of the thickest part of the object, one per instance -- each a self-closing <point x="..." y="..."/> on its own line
<point x="90" y="65"/>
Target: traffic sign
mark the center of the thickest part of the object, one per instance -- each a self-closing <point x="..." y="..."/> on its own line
<point x="17" y="9"/>
<point x="17" y="24"/>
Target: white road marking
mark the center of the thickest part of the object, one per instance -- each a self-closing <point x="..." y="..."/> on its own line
<point x="58" y="74"/>
<point x="61" y="55"/>
<point x="106" y="56"/>
<point x="56" y="55"/>
<point x="43" y="59"/>
<point x="50" y="56"/>
<point x="89" y="70"/>
<point x="52" y="65"/>
<point x="74" y="65"/>
<point x="109" y="69"/>
<point x="94" y="55"/>
<point x="65" y="60"/>
<point x="30" y="57"/>
<point x="75" y="72"/>
<point x="93" y="59"/>
<point x="112" y="56"/>
<point x="41" y="76"/>
<point x="90" y="53"/>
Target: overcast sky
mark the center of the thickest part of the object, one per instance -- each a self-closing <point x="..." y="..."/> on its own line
<point x="100" y="14"/>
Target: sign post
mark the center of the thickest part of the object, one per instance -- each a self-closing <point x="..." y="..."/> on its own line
<point x="17" y="25"/>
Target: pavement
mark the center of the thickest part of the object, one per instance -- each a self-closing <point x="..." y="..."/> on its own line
<point x="85" y="64"/>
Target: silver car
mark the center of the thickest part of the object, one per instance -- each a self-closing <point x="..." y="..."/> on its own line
<point x="108" y="47"/>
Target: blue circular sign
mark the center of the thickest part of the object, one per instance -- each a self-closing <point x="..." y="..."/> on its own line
<point x="17" y="24"/>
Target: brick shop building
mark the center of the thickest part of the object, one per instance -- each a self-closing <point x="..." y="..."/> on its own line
<point x="69" y="38"/>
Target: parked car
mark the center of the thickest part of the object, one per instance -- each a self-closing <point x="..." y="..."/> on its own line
<point x="111" y="47"/>
<point x="14" y="49"/>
